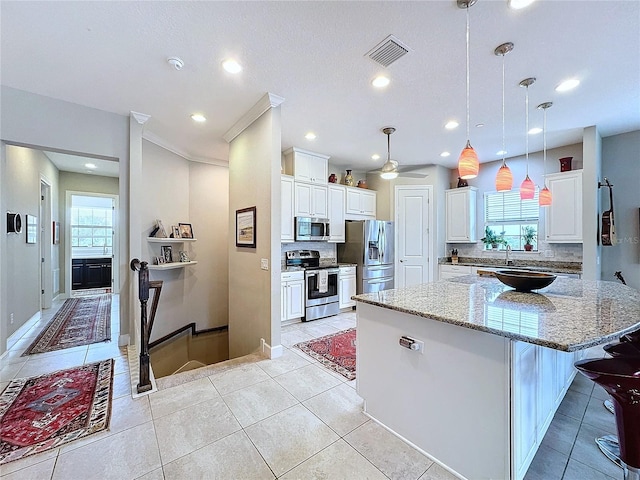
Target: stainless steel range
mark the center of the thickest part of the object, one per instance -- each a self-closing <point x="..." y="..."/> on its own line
<point x="320" y="284"/>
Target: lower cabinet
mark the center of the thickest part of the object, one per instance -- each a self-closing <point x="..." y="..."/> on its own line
<point x="452" y="271"/>
<point x="291" y="296"/>
<point x="90" y="273"/>
<point x="347" y="286"/>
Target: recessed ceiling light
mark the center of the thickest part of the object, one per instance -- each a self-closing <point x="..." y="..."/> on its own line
<point x="445" y="154"/>
<point x="380" y="81"/>
<point x="518" y="4"/>
<point x="90" y="165"/>
<point x="375" y="156"/>
<point x="232" y="66"/>
<point x="535" y="131"/>
<point x="198" y="117"/>
<point x="310" y="136"/>
<point x="501" y="152"/>
<point x="451" y="125"/>
<point x="568" y="85"/>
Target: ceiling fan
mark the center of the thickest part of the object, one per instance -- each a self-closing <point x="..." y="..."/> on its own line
<point x="390" y="169"/>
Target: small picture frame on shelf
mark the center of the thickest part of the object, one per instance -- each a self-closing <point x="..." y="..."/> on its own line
<point x="175" y="231"/>
<point x="158" y="260"/>
<point x="167" y="253"/>
<point x="159" y="231"/>
<point x="186" y="231"/>
<point x="184" y="256"/>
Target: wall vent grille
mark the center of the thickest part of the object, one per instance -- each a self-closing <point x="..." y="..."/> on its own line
<point x="388" y="51"/>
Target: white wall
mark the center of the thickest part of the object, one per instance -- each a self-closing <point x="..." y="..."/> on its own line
<point x="45" y="123"/>
<point x="591" y="175"/>
<point x="620" y="166"/>
<point x="21" y="175"/>
<point x="254" y="180"/>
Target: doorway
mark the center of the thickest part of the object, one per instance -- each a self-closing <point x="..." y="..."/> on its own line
<point x="47" y="274"/>
<point x="414" y="242"/>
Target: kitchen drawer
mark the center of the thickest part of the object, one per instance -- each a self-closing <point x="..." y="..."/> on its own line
<point x="347" y="271"/>
<point x="453" y="271"/>
<point x="288" y="276"/>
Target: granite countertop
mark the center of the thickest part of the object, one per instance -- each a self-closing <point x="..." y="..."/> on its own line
<point x="535" y="265"/>
<point x="569" y="314"/>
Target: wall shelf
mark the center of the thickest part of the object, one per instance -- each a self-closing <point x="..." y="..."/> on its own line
<point x="169" y="240"/>
<point x="172" y="265"/>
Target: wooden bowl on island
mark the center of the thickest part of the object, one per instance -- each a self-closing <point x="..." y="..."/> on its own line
<point x="524" y="281"/>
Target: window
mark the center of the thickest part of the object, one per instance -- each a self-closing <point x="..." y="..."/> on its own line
<point x="506" y="214"/>
<point x="91" y="225"/>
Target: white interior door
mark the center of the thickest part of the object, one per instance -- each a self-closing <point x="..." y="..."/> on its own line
<point x="44" y="239"/>
<point x="412" y="208"/>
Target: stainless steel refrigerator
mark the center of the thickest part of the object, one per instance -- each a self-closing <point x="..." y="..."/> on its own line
<point x="370" y="245"/>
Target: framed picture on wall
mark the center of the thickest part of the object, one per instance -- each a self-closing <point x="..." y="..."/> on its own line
<point x="32" y="229"/>
<point x="246" y="227"/>
<point x="55" y="233"/>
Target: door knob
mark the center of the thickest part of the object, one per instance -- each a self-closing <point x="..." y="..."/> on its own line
<point x="401" y="261"/>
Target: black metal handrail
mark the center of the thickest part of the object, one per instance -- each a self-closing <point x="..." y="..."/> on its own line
<point x="144" y="285"/>
<point x="189" y="326"/>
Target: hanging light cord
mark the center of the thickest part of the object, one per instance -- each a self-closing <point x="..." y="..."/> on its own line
<point x="544" y="146"/>
<point x="467" y="72"/>
<point x="526" y="103"/>
<point x="503" y="149"/>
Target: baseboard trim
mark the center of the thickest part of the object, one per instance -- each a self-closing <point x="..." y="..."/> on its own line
<point x="123" y="340"/>
<point x="271" y="352"/>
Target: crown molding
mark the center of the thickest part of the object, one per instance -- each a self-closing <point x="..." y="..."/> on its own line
<point x="141" y="118"/>
<point x="269" y="100"/>
<point x="150" y="137"/>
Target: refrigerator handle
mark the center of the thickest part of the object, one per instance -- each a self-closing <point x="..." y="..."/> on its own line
<point x="383" y="242"/>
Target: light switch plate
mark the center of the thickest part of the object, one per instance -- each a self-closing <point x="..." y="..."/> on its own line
<point x="264" y="263"/>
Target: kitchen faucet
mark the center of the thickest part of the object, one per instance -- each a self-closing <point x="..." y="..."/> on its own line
<point x="506" y="257"/>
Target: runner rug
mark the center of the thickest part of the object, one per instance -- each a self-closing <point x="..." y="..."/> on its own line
<point x="336" y="351"/>
<point x="80" y="321"/>
<point x="44" y="412"/>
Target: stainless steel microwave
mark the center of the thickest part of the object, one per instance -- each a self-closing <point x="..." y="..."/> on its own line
<point x="310" y="229"/>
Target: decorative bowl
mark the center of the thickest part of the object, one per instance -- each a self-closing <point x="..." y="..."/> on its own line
<point x="525" y="281"/>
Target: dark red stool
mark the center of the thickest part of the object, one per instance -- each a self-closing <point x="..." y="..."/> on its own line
<point x="620" y="349"/>
<point x="620" y="377"/>
<point x="633" y="337"/>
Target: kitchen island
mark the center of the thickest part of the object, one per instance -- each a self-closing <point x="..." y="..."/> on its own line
<point x="491" y="365"/>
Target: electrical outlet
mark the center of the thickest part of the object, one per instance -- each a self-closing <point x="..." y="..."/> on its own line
<point x="548" y="253"/>
<point x="264" y="263"/>
<point x="11" y="319"/>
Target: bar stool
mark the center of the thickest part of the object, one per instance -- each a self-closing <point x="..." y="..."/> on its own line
<point x="620" y="377"/>
<point x="625" y="348"/>
<point x="633" y="337"/>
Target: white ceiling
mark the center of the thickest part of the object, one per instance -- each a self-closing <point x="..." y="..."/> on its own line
<point x="112" y="56"/>
<point x="77" y="164"/>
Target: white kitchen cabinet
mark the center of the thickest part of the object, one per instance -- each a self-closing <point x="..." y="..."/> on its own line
<point x="292" y="295"/>
<point x="310" y="200"/>
<point x="563" y="219"/>
<point x="461" y="215"/>
<point x="286" y="193"/>
<point x="452" y="271"/>
<point x="307" y="166"/>
<point x="360" y="203"/>
<point x="347" y="286"/>
<point x="336" y="207"/>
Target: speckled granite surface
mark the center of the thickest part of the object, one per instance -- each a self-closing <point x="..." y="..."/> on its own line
<point x="567" y="315"/>
<point x="538" y="265"/>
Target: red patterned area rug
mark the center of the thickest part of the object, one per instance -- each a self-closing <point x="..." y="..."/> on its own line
<point x="44" y="412"/>
<point x="336" y="351"/>
<point x="80" y="321"/>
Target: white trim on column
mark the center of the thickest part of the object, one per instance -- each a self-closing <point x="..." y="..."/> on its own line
<point x="150" y="137"/>
<point x="141" y="118"/>
<point x="269" y="100"/>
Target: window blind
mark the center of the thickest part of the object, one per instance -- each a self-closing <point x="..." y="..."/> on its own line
<point x="507" y="207"/>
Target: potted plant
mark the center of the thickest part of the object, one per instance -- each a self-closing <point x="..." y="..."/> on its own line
<point x="491" y="239"/>
<point x="528" y="235"/>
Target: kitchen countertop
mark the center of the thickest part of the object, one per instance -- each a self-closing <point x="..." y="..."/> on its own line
<point x="569" y="314"/>
<point x="516" y="264"/>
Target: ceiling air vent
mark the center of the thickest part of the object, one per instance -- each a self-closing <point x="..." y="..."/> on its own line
<point x="388" y="51"/>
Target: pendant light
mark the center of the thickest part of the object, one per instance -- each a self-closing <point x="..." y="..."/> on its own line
<point x="468" y="164"/>
<point x="504" y="178"/>
<point x="527" y="188"/>
<point x="389" y="170"/>
<point x="544" y="198"/>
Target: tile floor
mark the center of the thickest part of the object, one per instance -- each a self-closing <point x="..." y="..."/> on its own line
<point x="254" y="418"/>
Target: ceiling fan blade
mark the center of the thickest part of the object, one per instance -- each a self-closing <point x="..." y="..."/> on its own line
<point x="413" y="175"/>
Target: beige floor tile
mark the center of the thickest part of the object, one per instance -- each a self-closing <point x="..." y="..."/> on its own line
<point x="54" y="353"/>
<point x="392" y="456"/>
<point x="436" y="472"/>
<point x="236" y="378"/>
<point x="287" y="362"/>
<point x="338" y="460"/>
<point x="37" y="471"/>
<point x="257" y="402"/>
<point x="26" y="462"/>
<point x="173" y="399"/>
<point x="289" y="339"/>
<point x="154" y="475"/>
<point x="50" y="364"/>
<point x="128" y="454"/>
<point x="9" y="372"/>
<point x="339" y="407"/>
<point x="289" y="438"/>
<point x="186" y="430"/>
<point x="307" y="382"/>
<point x="344" y="323"/>
<point x="233" y="457"/>
<point x="12" y="356"/>
<point x="121" y="385"/>
<point x="316" y="330"/>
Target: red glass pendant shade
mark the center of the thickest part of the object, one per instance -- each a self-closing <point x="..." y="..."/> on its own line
<point x="504" y="179"/>
<point x="468" y="164"/>
<point x="544" y="198"/>
<point x="527" y="189"/>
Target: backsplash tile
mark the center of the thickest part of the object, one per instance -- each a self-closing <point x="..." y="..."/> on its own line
<point x="561" y="252"/>
<point x="328" y="251"/>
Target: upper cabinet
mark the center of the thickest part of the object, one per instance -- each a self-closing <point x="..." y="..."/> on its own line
<point x="337" y="200"/>
<point x="361" y="204"/>
<point x="563" y="220"/>
<point x="461" y="215"/>
<point x="306" y="166"/>
<point x="286" y="193"/>
<point x="310" y="200"/>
